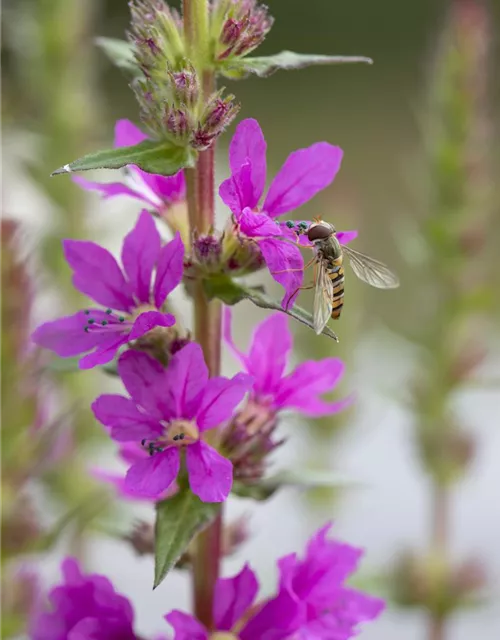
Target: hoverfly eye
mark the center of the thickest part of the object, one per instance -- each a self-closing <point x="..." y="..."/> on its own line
<point x="290" y="224"/>
<point x="319" y="232"/>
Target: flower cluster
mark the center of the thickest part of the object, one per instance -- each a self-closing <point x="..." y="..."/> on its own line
<point x="311" y="601"/>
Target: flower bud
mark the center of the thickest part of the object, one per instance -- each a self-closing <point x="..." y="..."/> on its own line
<point x="207" y="251"/>
<point x="218" y="113"/>
<point x="163" y="342"/>
<point x="247" y="440"/>
<point x="185" y="85"/>
<point x="238" y="27"/>
<point x="429" y="582"/>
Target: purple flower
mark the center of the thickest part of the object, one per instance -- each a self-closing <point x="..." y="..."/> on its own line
<point x="130" y="453"/>
<point x="158" y="192"/>
<point x="304" y="173"/>
<point x="84" y="607"/>
<point x="128" y="291"/>
<point x="233" y="598"/>
<point x="266" y="362"/>
<point x="169" y="409"/>
<point x="329" y="609"/>
<point x="311" y="603"/>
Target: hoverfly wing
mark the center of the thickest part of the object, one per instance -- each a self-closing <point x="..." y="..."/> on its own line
<point x="323" y="295"/>
<point x="371" y="271"/>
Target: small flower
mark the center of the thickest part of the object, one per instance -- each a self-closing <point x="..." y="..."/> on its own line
<point x="84" y="606"/>
<point x="304" y="173"/>
<point x="128" y="291"/>
<point x="249" y="437"/>
<point x="168" y="411"/>
<point x="266" y="362"/>
<point x="311" y="602"/>
<point x="160" y="193"/>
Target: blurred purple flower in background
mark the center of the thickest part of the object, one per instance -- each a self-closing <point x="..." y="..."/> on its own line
<point x="97" y="274"/>
<point x="312" y="602"/>
<point x="266" y="362"/>
<point x="170" y="409"/>
<point x="158" y="192"/>
<point x="304" y="173"/>
<point x="84" y="607"/>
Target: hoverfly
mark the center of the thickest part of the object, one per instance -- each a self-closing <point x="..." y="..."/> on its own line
<point x="329" y="272"/>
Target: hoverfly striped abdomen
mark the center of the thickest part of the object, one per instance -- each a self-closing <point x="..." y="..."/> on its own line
<point x="336" y="275"/>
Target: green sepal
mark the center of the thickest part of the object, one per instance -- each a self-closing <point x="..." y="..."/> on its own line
<point x="286" y="60"/>
<point x="178" y="520"/>
<point x="151" y="156"/>
<point x="121" y="54"/>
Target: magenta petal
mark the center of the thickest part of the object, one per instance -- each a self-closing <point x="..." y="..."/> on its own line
<point x="145" y="379"/>
<point x="304" y="174"/>
<point x="248" y="143"/>
<point x="187" y="376"/>
<point x="355" y="606"/>
<point x="140" y="252"/>
<point x="149" y="320"/>
<point x="220" y="397"/>
<point x="236" y="191"/>
<point x="258" y="225"/>
<point x="344" y="237"/>
<point x="277" y="619"/>
<point x="97" y="274"/>
<point x="286" y="265"/>
<point x="127" y="134"/>
<point x="169" y="270"/>
<point x="232" y="598"/>
<point x="67" y="336"/>
<point x="104" y="353"/>
<point x="127" y="423"/>
<point x="228" y="338"/>
<point x="171" y="188"/>
<point x="210" y="474"/>
<point x="109" y="189"/>
<point x="271" y="344"/>
<point x="301" y="388"/>
<point x="153" y="475"/>
<point x="186" y="627"/>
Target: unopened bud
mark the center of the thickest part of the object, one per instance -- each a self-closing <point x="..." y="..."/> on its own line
<point x="185" y="85"/>
<point x="207" y="251"/>
<point x="430" y="583"/>
<point x="218" y="113"/>
<point x="177" y="123"/>
<point x="234" y="535"/>
<point x="248" y="440"/>
<point x="162" y="343"/>
<point x="238" y="27"/>
<point x="142" y="538"/>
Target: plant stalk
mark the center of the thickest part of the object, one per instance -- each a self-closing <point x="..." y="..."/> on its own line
<point x="207" y="314"/>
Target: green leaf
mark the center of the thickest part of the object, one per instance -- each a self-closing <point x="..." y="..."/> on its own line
<point x="121" y="54"/>
<point x="286" y="60"/>
<point x="265" y="302"/>
<point x="300" y="478"/>
<point x="152" y="156"/>
<point x="231" y="292"/>
<point x="226" y="289"/>
<point x="178" y="519"/>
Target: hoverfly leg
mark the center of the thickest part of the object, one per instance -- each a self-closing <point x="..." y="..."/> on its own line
<point x="306" y="266"/>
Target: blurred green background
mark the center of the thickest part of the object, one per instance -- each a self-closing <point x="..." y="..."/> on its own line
<point x="61" y="98"/>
